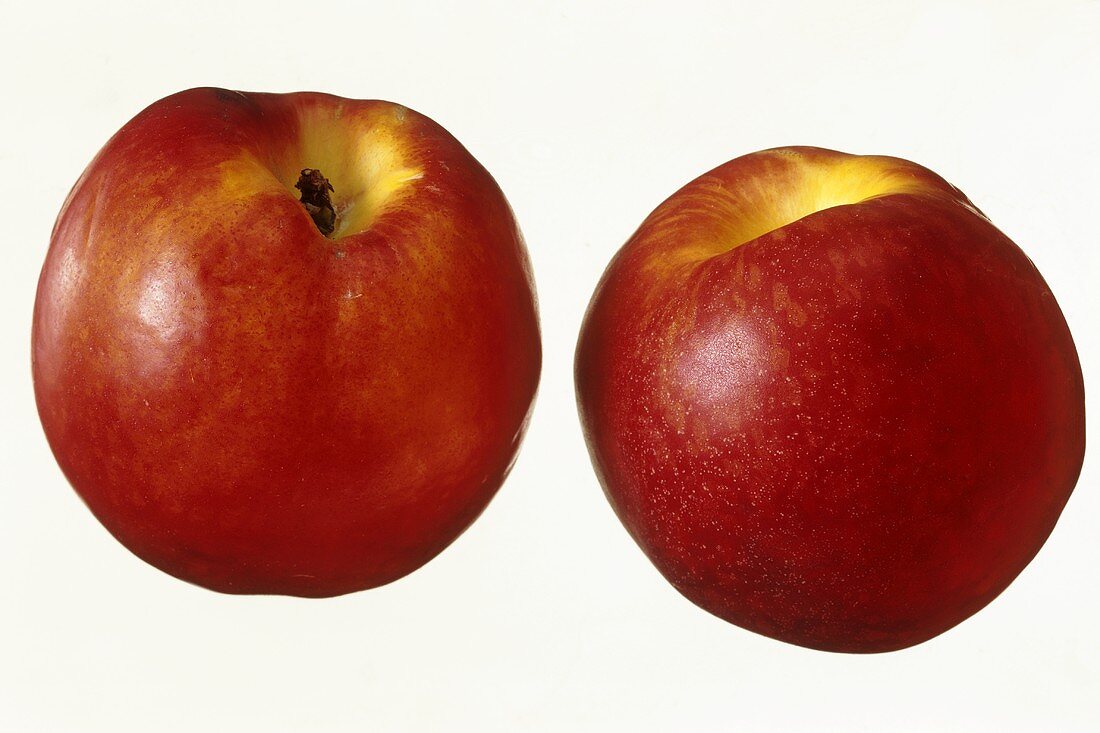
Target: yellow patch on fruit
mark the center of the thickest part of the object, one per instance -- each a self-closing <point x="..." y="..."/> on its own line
<point x="719" y="212"/>
<point x="802" y="186"/>
<point x="362" y="154"/>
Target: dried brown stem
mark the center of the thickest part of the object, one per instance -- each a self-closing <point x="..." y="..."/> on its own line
<point x="315" y="190"/>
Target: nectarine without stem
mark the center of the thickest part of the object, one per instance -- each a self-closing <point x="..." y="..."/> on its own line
<point x="285" y="343"/>
<point x="830" y="400"/>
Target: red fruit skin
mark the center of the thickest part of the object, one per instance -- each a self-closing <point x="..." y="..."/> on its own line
<point x="850" y="433"/>
<point x="252" y="407"/>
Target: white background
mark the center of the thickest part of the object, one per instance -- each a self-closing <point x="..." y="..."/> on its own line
<point x="544" y="615"/>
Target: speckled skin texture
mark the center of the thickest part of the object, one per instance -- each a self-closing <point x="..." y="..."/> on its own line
<point x="253" y="407"/>
<point x="849" y="433"/>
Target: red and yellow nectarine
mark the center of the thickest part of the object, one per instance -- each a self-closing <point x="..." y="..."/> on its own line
<point x="257" y="407"/>
<point x="829" y="399"/>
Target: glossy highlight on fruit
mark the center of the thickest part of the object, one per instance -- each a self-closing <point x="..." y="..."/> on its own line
<point x="285" y="343"/>
<point x="830" y="401"/>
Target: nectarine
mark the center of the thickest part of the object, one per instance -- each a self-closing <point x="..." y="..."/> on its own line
<point x="829" y="399"/>
<point x="285" y="343"/>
